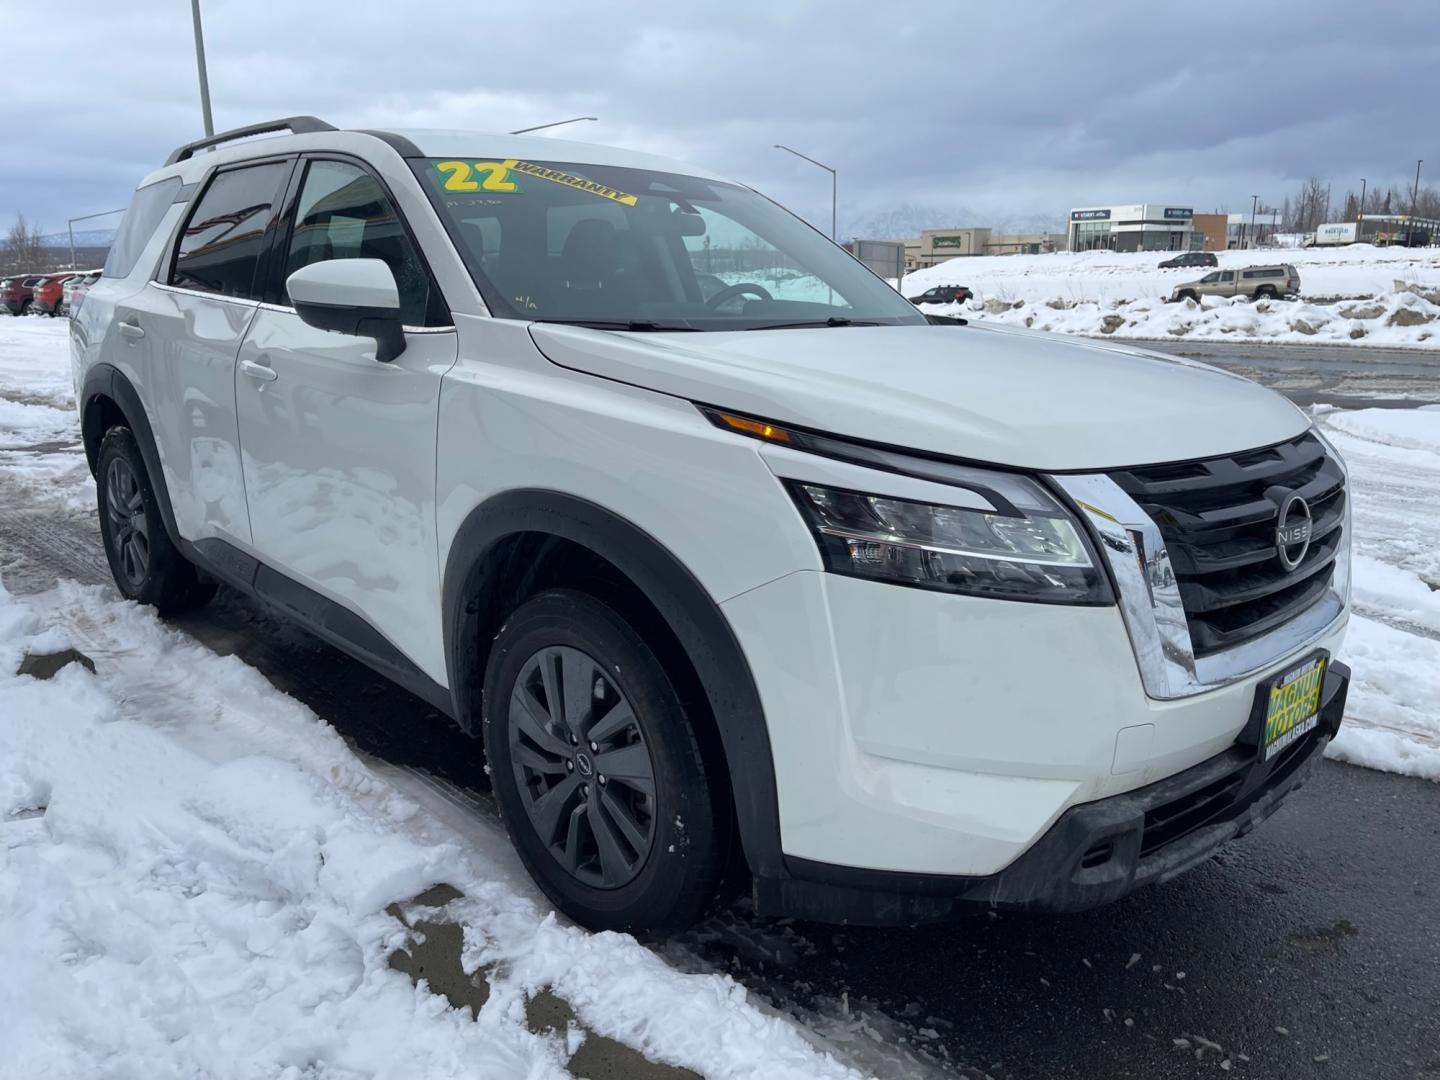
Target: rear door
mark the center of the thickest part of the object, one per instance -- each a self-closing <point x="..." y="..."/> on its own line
<point x="338" y="449"/>
<point x="182" y="333"/>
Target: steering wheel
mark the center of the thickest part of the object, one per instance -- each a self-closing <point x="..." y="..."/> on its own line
<point x="732" y="291"/>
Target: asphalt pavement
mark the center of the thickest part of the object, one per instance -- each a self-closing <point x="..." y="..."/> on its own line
<point x="1310" y="948"/>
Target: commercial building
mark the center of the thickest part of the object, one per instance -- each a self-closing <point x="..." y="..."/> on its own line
<point x="1214" y="230"/>
<point x="936" y="246"/>
<point x="1133" y="227"/>
<point x="1245" y="230"/>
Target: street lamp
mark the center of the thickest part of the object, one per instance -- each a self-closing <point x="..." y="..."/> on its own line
<point x="200" y="67"/>
<point x="1360" y="215"/>
<point x="1414" y="205"/>
<point x="833" y="183"/>
<point x="555" y="123"/>
<point x="1254" y="203"/>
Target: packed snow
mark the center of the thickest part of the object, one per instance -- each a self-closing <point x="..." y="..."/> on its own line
<point x="1359" y="294"/>
<point x="195" y="869"/>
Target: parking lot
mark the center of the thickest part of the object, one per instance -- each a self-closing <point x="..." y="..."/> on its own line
<point x="1307" y="949"/>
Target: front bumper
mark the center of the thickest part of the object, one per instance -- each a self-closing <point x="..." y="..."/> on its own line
<point x="1093" y="854"/>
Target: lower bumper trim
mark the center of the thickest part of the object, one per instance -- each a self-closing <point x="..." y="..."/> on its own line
<point x="1094" y="854"/>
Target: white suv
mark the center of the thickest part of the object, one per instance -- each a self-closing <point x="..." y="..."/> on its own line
<point x="736" y="562"/>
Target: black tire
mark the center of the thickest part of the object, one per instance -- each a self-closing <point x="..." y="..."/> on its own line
<point x="1188" y="294"/>
<point x="1265" y="292"/>
<point x="24" y="307"/>
<point x="539" y="766"/>
<point x="146" y="565"/>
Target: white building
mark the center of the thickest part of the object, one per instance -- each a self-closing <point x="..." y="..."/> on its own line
<point x="1133" y="227"/>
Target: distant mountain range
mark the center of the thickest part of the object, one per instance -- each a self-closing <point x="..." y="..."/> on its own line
<point x="909" y="220"/>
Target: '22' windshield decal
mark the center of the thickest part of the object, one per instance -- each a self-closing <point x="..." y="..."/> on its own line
<point x="494" y="177"/>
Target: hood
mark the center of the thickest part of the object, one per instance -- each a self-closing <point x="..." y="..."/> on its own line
<point x="990" y="394"/>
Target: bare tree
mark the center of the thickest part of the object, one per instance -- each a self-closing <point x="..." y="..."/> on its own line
<point x="1311" y="205"/>
<point x="23" y="245"/>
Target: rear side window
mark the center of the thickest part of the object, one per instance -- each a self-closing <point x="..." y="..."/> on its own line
<point x="147" y="207"/>
<point x="221" y="242"/>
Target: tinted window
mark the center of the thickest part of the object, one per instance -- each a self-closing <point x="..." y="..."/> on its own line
<point x="1228" y="275"/>
<point x="1210" y="279"/>
<point x="147" y="207"/>
<point x="344" y="213"/>
<point x="221" y="242"/>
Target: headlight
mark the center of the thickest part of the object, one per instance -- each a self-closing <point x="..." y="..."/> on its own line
<point x="1032" y="550"/>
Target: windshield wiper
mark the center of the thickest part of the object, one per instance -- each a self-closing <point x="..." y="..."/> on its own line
<point x="643" y="325"/>
<point x="834" y="320"/>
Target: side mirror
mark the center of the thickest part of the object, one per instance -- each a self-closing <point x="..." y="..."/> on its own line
<point x="351" y="296"/>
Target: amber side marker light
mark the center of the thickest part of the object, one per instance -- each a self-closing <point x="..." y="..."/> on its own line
<point x="758" y="428"/>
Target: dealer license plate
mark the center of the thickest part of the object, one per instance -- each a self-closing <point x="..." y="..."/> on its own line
<point x="1294" y="706"/>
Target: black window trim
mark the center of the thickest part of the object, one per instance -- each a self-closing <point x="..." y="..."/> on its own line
<point x="166" y="279"/>
<point x="273" y="266"/>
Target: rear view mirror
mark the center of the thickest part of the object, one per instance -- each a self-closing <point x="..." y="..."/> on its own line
<point x="351" y="296"/>
<point x="688" y="224"/>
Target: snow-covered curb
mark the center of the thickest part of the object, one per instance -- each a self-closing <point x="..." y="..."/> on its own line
<point x="1400" y="318"/>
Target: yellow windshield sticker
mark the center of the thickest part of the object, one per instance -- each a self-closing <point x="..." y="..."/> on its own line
<point x="495" y="177"/>
<point x="460" y="175"/>
<point x="579" y="183"/>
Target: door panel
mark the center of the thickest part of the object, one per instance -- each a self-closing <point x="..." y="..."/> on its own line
<point x="338" y="455"/>
<point x="181" y="347"/>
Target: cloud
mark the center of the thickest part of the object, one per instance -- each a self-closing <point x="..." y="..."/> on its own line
<point x="987" y="111"/>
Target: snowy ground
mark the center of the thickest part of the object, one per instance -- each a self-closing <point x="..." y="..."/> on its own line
<point x="163" y="918"/>
<point x="1358" y="294"/>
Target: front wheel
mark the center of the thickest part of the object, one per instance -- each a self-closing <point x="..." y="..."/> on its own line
<point x="597" y="769"/>
<point x="147" y="567"/>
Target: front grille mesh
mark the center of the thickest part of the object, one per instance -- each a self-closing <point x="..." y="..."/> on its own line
<point x="1218" y="518"/>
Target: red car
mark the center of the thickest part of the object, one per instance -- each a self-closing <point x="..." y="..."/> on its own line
<point x="16" y="293"/>
<point x="50" y="294"/>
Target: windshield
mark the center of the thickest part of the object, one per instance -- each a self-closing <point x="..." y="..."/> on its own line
<point x="635" y="249"/>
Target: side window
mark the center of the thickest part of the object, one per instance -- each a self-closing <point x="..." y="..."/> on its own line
<point x="147" y="207"/>
<point x="221" y="242"/>
<point x="1210" y="279"/>
<point x="1227" y="277"/>
<point x="344" y="213"/>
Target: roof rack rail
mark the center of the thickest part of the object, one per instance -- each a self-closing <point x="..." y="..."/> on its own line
<point x="296" y="125"/>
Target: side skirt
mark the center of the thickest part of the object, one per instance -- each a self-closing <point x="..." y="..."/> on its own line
<point x="332" y="623"/>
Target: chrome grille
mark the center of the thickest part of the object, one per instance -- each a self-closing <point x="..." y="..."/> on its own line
<point x="1219" y="519"/>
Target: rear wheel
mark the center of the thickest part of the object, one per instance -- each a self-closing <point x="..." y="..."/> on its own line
<point x="597" y="769"/>
<point x="146" y="566"/>
<point x="1265" y="292"/>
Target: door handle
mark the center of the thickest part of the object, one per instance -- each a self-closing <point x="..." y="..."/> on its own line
<point x="257" y="371"/>
<point x="132" y="330"/>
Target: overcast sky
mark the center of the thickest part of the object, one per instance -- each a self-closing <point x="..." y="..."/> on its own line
<point x="980" y="113"/>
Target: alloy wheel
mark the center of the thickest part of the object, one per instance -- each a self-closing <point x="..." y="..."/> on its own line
<point x="129" y="524"/>
<point x="582" y="766"/>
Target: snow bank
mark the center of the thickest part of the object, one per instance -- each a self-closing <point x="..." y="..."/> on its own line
<point x="193" y="877"/>
<point x="1374" y="296"/>
<point x="1393" y="718"/>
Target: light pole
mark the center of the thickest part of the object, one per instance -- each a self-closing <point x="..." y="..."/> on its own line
<point x="200" y="67"/>
<point x="70" y="227"/>
<point x="1414" y="206"/>
<point x="1254" y="203"/>
<point x="556" y="123"/>
<point x="1360" y="215"/>
<point x="834" y="184"/>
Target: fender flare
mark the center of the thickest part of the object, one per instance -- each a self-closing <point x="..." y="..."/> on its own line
<point x="687" y="608"/>
<point x="106" y="380"/>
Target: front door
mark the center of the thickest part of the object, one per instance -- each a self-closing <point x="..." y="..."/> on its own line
<point x="338" y="450"/>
